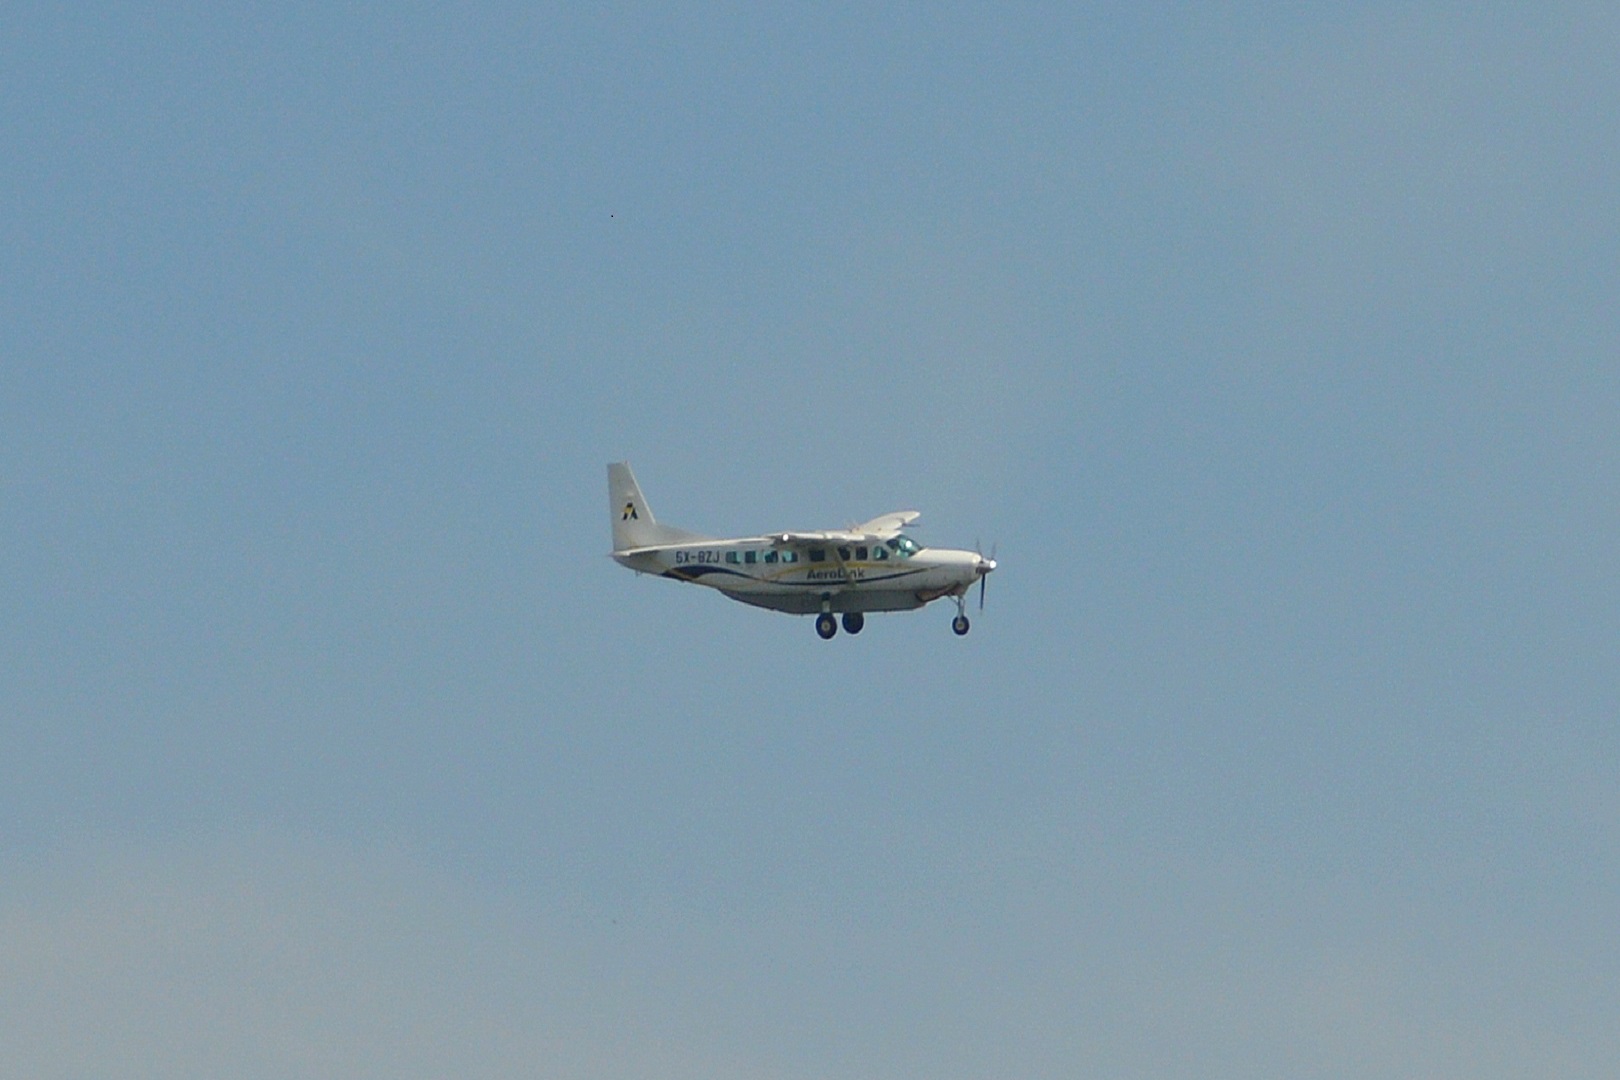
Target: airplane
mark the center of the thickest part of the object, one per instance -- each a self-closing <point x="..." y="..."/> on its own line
<point x="874" y="566"/>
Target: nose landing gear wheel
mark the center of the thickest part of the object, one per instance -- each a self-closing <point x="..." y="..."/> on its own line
<point x="853" y="621"/>
<point x="827" y="626"/>
<point x="960" y="625"/>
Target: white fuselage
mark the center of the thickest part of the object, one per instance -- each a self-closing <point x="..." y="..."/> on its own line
<point x="892" y="575"/>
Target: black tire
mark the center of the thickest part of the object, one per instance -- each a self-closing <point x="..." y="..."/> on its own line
<point x="960" y="625"/>
<point x="853" y="622"/>
<point x="826" y="626"/>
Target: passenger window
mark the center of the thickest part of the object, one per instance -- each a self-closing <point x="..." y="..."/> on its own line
<point x="790" y="556"/>
<point x="731" y="557"/>
<point x="843" y="553"/>
<point x="880" y="553"/>
<point x="818" y="554"/>
<point x="860" y="554"/>
<point x="770" y="556"/>
<point x="750" y="557"/>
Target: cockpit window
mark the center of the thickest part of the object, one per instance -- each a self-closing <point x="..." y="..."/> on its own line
<point x="904" y="546"/>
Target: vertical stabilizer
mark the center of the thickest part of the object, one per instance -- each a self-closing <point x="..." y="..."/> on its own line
<point x="633" y="523"/>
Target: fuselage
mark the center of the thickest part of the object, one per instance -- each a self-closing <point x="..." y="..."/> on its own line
<point x="896" y="574"/>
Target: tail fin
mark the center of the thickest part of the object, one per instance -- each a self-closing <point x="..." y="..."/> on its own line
<point x="633" y="523"/>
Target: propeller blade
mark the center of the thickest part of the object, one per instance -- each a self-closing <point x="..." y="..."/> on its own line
<point x="984" y="570"/>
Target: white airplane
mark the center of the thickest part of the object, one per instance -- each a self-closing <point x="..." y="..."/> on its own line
<point x="870" y="567"/>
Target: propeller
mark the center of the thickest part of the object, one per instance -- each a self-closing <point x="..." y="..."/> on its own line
<point x="984" y="568"/>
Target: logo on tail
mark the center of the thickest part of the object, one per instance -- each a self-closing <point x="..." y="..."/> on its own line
<point x="629" y="513"/>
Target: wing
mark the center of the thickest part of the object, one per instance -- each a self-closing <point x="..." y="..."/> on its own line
<point x="800" y="539"/>
<point x="889" y="524"/>
<point x="875" y="531"/>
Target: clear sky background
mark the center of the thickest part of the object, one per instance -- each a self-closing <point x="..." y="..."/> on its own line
<point x="1277" y="351"/>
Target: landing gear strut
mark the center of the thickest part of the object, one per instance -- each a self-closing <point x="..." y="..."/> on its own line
<point x="853" y="621"/>
<point x="960" y="624"/>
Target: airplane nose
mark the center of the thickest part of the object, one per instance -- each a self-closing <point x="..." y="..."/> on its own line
<point x="982" y="567"/>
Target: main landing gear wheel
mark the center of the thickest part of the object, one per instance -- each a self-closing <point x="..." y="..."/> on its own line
<point x="853" y="621"/>
<point x="960" y="625"/>
<point x="827" y="626"/>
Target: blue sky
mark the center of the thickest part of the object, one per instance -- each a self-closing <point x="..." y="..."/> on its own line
<point x="1276" y="352"/>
